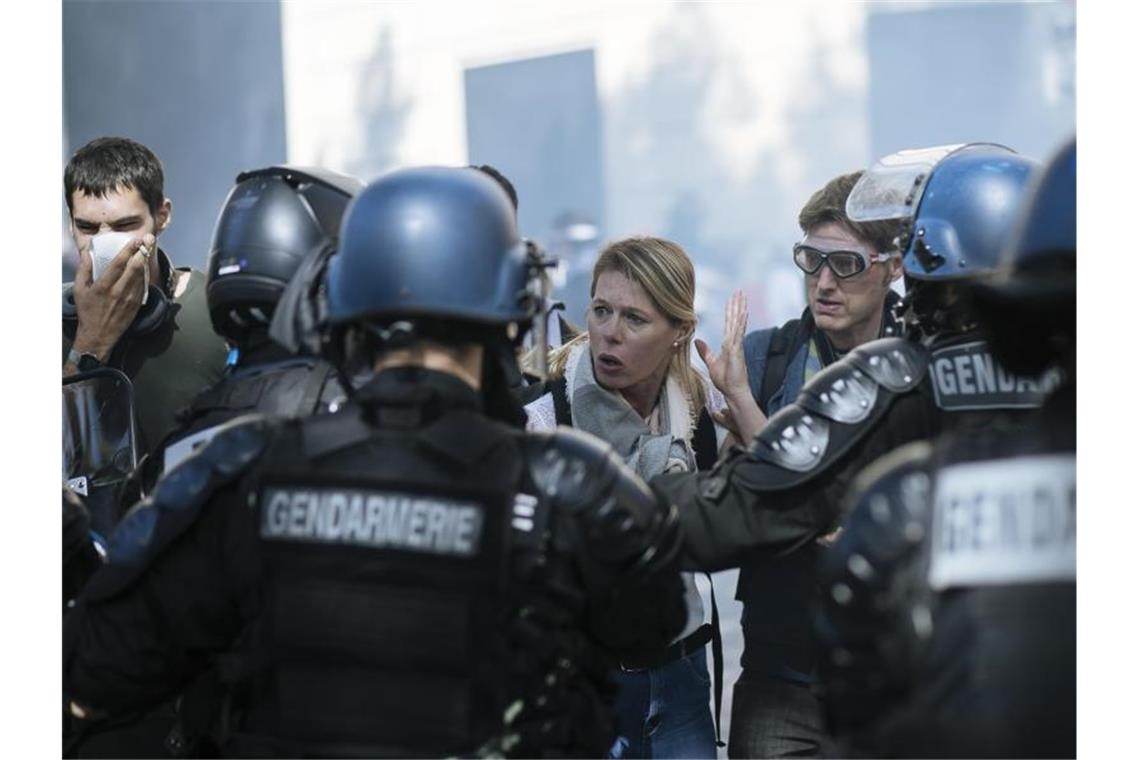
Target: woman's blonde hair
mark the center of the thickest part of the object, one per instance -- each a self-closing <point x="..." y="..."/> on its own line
<point x="665" y="272"/>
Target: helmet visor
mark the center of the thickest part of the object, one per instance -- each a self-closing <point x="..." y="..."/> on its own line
<point x="892" y="188"/>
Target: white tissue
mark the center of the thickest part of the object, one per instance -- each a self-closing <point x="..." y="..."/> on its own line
<point x="106" y="246"/>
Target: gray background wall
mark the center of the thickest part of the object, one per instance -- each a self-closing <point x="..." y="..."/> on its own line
<point x="537" y="121"/>
<point x="199" y="83"/>
<point x="961" y="73"/>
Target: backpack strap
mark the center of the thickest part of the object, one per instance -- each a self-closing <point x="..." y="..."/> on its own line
<point x="781" y="347"/>
<point x="704" y="441"/>
<point x="557" y="390"/>
<point x="718" y="661"/>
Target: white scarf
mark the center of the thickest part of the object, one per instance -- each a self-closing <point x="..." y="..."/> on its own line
<point x="607" y="415"/>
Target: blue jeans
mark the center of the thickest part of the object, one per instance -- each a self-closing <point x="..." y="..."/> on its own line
<point x="664" y="712"/>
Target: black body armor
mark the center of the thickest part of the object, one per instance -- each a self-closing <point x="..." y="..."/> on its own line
<point x="948" y="620"/>
<point x="266" y="382"/>
<point x="413" y="579"/>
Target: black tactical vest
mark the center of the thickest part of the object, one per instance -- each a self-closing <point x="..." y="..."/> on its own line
<point x="401" y="558"/>
<point x="291" y="387"/>
<point x="960" y="571"/>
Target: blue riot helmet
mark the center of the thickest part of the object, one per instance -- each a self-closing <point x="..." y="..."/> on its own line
<point x="1029" y="305"/>
<point x="432" y="245"/>
<point x="272" y="219"/>
<point x="433" y="252"/>
<point x="956" y="206"/>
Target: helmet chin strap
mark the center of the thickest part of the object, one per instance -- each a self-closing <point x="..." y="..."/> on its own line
<point x="928" y="310"/>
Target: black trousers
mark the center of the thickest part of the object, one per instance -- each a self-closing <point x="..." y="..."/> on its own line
<point x="775" y="717"/>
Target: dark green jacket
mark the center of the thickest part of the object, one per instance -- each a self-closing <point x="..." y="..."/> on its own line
<point x="171" y="365"/>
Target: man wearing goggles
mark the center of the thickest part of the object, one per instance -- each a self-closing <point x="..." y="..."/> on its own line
<point x="846" y="290"/>
<point x="849" y="268"/>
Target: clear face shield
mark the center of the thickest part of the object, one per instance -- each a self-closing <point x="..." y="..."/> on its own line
<point x="893" y="187"/>
<point x="99" y="446"/>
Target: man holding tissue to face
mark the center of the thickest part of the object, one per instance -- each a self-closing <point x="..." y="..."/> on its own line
<point x="129" y="308"/>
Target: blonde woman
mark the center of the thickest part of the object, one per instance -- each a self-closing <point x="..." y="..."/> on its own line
<point x="628" y="380"/>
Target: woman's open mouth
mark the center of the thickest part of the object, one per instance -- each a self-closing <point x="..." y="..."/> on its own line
<point x="609" y="363"/>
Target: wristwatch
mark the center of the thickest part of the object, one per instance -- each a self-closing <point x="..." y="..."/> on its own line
<point x="83" y="362"/>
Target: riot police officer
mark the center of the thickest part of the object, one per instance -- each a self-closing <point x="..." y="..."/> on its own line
<point x="272" y="221"/>
<point x="955" y="206"/>
<point x="410" y="575"/>
<point x="948" y="625"/>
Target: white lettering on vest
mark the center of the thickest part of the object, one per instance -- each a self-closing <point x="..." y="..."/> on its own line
<point x="399" y="521"/>
<point x="944" y="374"/>
<point x="984" y="372"/>
<point x="1006" y="521"/>
<point x="965" y="379"/>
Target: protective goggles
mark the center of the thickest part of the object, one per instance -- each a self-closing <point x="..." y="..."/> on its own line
<point x="843" y="264"/>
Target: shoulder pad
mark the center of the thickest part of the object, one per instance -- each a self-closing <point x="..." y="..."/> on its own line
<point x="894" y="363"/>
<point x="793" y="439"/>
<point x="177" y="500"/>
<point x="576" y="471"/>
<point x="566" y="462"/>
<point x="836" y="409"/>
<point x="842" y="392"/>
<point x="615" y="519"/>
<point x="888" y="522"/>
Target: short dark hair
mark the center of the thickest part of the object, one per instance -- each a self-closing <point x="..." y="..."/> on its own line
<point x="107" y="164"/>
<point x="504" y="183"/>
<point x="829" y="204"/>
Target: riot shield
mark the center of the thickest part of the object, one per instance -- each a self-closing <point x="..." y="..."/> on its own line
<point x="99" y="443"/>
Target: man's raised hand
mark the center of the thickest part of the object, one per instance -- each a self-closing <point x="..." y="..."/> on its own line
<point x="107" y="306"/>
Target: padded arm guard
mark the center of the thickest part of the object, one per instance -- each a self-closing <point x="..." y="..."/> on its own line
<point x="786" y="488"/>
<point x="176" y="502"/>
<point x="121" y="651"/>
<point x="625" y="540"/>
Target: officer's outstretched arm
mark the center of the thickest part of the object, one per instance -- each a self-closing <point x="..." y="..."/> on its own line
<point x="787" y="487"/>
<point x="623" y="536"/>
<point x="169" y="595"/>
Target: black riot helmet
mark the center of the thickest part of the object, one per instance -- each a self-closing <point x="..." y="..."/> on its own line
<point x="272" y="219"/>
<point x="1029" y="306"/>
<point x="429" y="247"/>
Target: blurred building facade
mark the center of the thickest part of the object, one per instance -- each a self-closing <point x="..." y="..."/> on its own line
<point x="200" y="83"/>
<point x="1002" y="72"/>
<point x="714" y="121"/>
